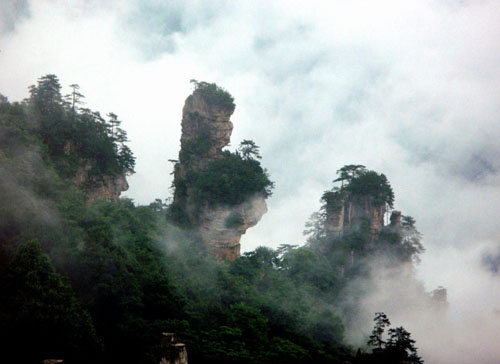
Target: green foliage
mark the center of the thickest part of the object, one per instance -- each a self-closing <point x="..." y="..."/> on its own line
<point x="229" y="180"/>
<point x="362" y="182"/>
<point x="38" y="303"/>
<point x="404" y="244"/>
<point x="214" y="95"/>
<point x="352" y="255"/>
<point x="370" y="183"/>
<point x="398" y="349"/>
<point x="131" y="275"/>
<point x="75" y="136"/>
<point x="249" y="150"/>
<point x="122" y="279"/>
<point x="306" y="266"/>
<point x="347" y="173"/>
<point x="401" y="347"/>
<point x="315" y="228"/>
<point x="381" y="322"/>
<point x="357" y="182"/>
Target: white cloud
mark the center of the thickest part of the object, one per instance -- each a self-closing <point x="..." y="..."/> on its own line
<point x="408" y="88"/>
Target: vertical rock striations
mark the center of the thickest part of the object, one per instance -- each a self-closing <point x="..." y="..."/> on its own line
<point x="359" y="204"/>
<point x="206" y="129"/>
<point x="346" y="213"/>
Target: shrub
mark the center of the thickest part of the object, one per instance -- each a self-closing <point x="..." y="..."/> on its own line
<point x="230" y="180"/>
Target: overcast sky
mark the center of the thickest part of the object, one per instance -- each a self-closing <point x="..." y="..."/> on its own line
<point x="407" y="88"/>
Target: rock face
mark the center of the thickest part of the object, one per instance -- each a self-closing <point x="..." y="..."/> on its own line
<point x="439" y="299"/>
<point x="205" y="122"/>
<point x="99" y="186"/>
<point x="396" y="219"/>
<point x="206" y="129"/>
<point x="171" y="351"/>
<point x="346" y="213"/>
<point x="222" y="227"/>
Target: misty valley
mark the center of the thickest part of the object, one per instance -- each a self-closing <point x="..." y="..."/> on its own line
<point x="88" y="276"/>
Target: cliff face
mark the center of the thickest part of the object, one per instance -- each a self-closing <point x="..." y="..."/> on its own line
<point x="172" y="352"/>
<point x="98" y="186"/>
<point x="108" y="187"/>
<point x="221" y="228"/>
<point x="348" y="213"/>
<point x="205" y="122"/>
<point x="206" y="129"/>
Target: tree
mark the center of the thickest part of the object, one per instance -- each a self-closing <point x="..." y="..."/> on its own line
<point x="113" y="124"/>
<point x="284" y="249"/>
<point x="370" y="183"/>
<point x="121" y="136"/>
<point x="214" y="94"/>
<point x="74" y="98"/>
<point x="401" y="347"/>
<point x="249" y="150"/>
<point x="46" y="95"/>
<point x="126" y="159"/>
<point x="411" y="239"/>
<point x="36" y="302"/>
<point x="46" y="106"/>
<point x="381" y="322"/>
<point x="315" y="227"/>
<point x="229" y="180"/>
<point x="398" y="349"/>
<point x="348" y="172"/>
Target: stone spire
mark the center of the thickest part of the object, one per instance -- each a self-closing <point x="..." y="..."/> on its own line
<point x="206" y="129"/>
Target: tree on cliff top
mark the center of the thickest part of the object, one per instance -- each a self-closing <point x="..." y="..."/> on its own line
<point x="360" y="181"/>
<point x="356" y="181"/>
<point x="348" y="172"/>
<point x="214" y="94"/>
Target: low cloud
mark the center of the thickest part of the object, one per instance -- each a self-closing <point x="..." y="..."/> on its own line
<point x="465" y="331"/>
<point x="409" y="89"/>
<point x="12" y="12"/>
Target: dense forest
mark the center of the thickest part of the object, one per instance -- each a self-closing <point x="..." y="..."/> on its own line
<point x="99" y="280"/>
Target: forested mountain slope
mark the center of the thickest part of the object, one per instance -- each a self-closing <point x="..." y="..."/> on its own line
<point x="92" y="278"/>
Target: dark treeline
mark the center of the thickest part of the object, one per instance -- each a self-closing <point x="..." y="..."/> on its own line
<point x="97" y="282"/>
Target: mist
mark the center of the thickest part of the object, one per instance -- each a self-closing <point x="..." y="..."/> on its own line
<point x="465" y="330"/>
<point x="409" y="89"/>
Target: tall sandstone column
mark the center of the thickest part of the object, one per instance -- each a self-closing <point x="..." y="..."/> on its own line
<point x="346" y="214"/>
<point x="206" y="129"/>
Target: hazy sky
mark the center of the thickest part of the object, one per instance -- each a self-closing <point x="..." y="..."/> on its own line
<point x="407" y="88"/>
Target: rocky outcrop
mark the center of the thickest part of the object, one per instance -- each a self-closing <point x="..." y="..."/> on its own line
<point x="396" y="217"/>
<point x="439" y="298"/>
<point x="347" y="213"/>
<point x="171" y="351"/>
<point x="108" y="187"/>
<point x="223" y="227"/>
<point x="206" y="123"/>
<point x="206" y="129"/>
